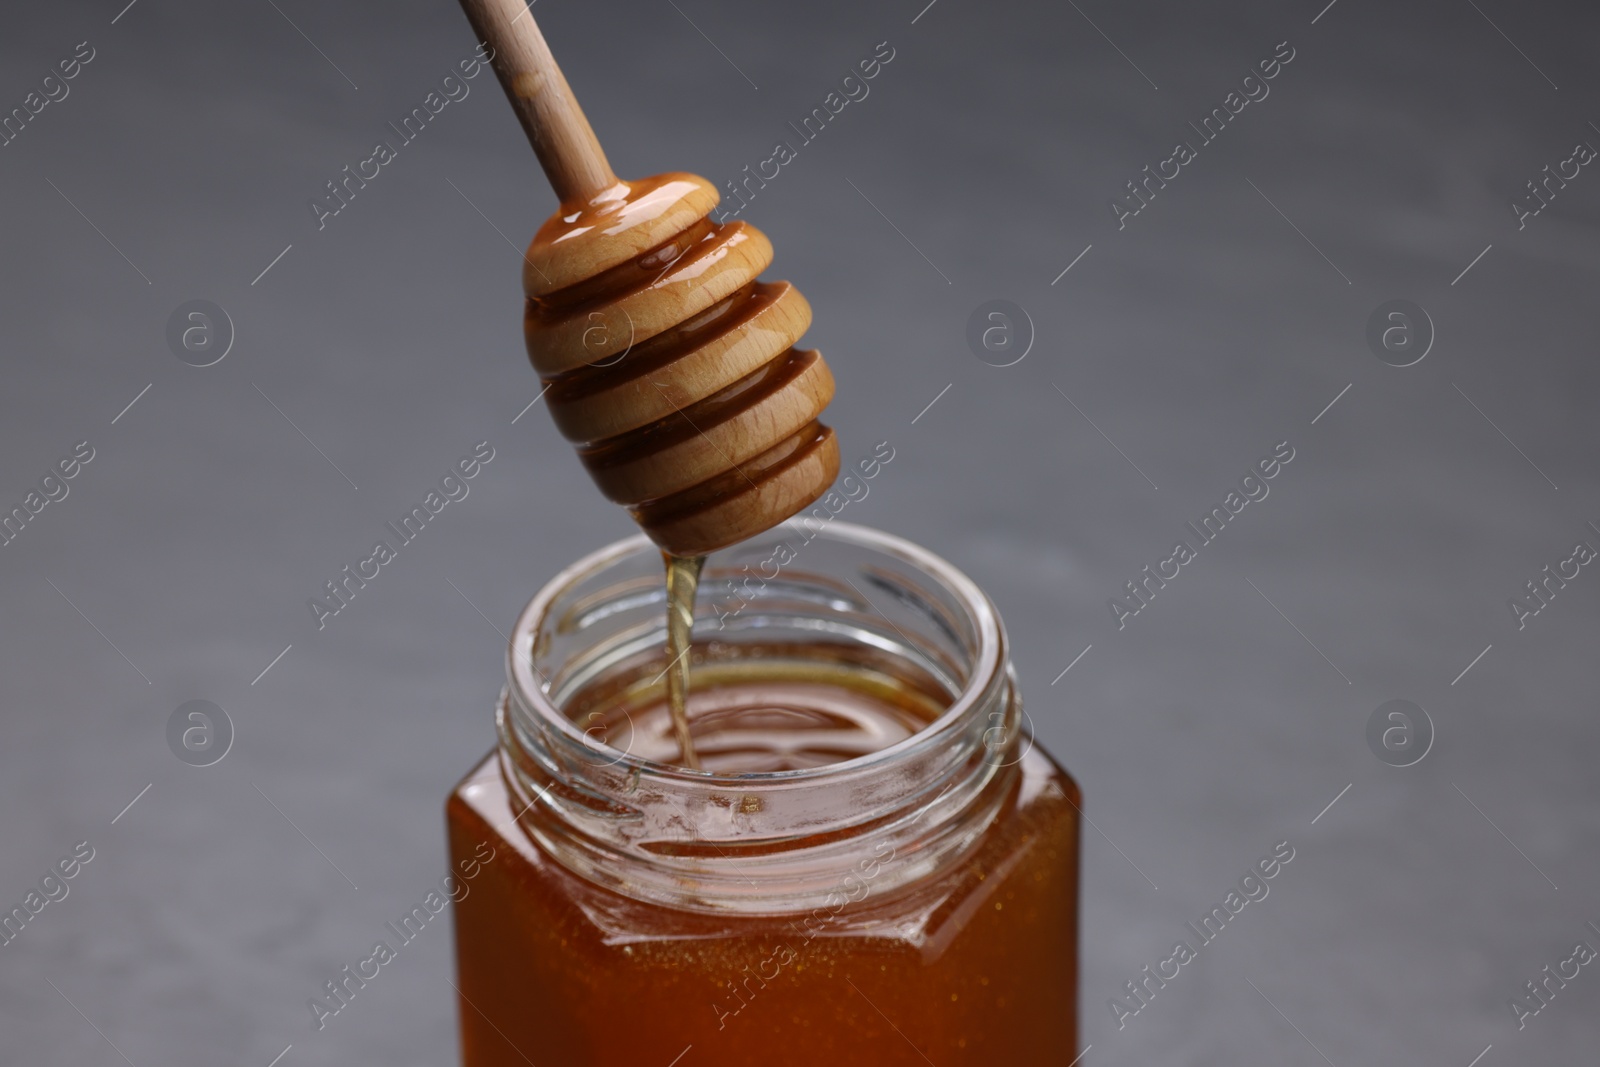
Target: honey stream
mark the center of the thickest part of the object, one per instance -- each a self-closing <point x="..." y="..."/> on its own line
<point x="683" y="578"/>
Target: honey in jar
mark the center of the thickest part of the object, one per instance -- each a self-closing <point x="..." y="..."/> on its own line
<point x="872" y="864"/>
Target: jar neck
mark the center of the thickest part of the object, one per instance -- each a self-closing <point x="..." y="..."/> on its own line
<point x="775" y="842"/>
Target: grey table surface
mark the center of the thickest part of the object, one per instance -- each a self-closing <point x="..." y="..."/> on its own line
<point x="1180" y="347"/>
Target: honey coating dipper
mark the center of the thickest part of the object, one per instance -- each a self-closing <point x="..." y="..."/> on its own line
<point x="669" y="366"/>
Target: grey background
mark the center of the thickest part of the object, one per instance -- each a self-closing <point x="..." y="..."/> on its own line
<point x="1197" y="338"/>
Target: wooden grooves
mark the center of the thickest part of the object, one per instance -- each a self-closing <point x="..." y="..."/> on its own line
<point x="673" y="369"/>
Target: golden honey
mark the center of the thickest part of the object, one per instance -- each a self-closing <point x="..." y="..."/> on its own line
<point x="873" y="866"/>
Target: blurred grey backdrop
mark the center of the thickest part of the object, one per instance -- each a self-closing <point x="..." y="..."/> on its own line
<point x="1220" y="320"/>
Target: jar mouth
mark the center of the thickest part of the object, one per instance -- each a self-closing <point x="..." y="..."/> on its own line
<point x="986" y="669"/>
<point x="910" y="685"/>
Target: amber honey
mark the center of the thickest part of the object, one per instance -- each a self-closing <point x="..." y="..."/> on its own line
<point x="873" y="867"/>
<point x="683" y="579"/>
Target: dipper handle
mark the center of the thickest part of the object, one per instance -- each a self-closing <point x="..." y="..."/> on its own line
<point x="563" y="139"/>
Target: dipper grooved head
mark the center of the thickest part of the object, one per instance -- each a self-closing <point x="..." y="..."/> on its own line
<point x="668" y="364"/>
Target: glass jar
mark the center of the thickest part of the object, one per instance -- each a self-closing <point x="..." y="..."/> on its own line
<point x="876" y="866"/>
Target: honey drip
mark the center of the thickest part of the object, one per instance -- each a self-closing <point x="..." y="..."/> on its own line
<point x="683" y="578"/>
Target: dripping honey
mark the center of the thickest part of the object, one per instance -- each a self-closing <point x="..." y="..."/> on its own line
<point x="683" y="579"/>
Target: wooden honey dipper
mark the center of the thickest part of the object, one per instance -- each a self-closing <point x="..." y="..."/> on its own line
<point x="665" y="361"/>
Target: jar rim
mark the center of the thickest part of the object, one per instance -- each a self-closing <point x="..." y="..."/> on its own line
<point x="988" y="665"/>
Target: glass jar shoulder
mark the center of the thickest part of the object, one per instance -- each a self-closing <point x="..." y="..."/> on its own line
<point x="1027" y="853"/>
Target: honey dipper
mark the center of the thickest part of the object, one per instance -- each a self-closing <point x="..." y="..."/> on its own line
<point x="669" y="366"/>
